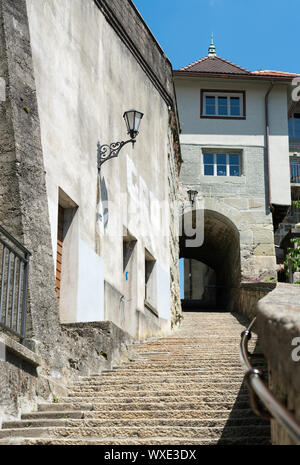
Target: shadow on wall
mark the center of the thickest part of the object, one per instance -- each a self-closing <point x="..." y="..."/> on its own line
<point x="220" y="252"/>
<point x="104" y="203"/>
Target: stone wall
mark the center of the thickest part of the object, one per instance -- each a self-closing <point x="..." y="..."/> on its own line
<point x="243" y="201"/>
<point x="174" y="166"/>
<point x="84" y="349"/>
<point x="24" y="206"/>
<point x="278" y="328"/>
<point x="245" y="298"/>
<point x="65" y="351"/>
<point x="100" y="49"/>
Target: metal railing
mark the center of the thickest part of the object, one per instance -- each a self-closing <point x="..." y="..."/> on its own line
<point x="294" y="144"/>
<point x="295" y="171"/>
<point x="13" y="284"/>
<point x="258" y="390"/>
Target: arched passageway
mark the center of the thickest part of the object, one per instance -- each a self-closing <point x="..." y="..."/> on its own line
<point x="213" y="269"/>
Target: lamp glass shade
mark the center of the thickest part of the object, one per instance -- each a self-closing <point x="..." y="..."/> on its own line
<point x="133" y="120"/>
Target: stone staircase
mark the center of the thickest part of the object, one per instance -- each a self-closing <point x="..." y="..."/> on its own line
<point x="183" y="389"/>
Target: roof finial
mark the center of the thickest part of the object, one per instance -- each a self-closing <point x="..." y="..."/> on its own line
<point x="212" y="48"/>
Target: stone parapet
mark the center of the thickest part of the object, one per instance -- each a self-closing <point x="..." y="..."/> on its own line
<point x="245" y="299"/>
<point x="278" y="327"/>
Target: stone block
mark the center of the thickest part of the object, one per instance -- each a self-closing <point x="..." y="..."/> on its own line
<point x="238" y="203"/>
<point x="256" y="203"/>
<point x="246" y="237"/>
<point x="263" y="236"/>
<point x="297" y="277"/>
<point x="264" y="249"/>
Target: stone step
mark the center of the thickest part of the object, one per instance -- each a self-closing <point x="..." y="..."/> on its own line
<point x="153" y="376"/>
<point x="156" y="380"/>
<point x="190" y="341"/>
<point x="158" y="399"/>
<point x="183" y="389"/>
<point x="231" y="364"/>
<point x="54" y="415"/>
<point x="189" y="352"/>
<point x="177" y="368"/>
<point x="154" y="404"/>
<point x="158" y="386"/>
<point x="124" y="396"/>
<point x="153" y="441"/>
<point x="187" y="342"/>
<point x="155" y="372"/>
<point x="138" y="432"/>
<point x="191" y="345"/>
<point x="132" y="422"/>
<point x="186" y="356"/>
<point x="139" y="414"/>
<point x="70" y="406"/>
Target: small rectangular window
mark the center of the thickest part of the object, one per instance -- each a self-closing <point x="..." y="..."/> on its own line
<point x="222" y="164"/>
<point x="223" y="104"/>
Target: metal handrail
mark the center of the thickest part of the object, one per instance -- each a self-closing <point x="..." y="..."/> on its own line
<point x="258" y="390"/>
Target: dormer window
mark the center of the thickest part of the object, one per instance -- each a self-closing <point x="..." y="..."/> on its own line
<point x="223" y="104"/>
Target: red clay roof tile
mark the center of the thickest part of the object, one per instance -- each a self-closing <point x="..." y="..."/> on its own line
<point x="218" y="65"/>
<point x="215" y="65"/>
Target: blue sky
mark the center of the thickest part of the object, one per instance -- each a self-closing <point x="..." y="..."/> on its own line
<point x="255" y="34"/>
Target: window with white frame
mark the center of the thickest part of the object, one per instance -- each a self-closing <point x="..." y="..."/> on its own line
<point x="217" y="104"/>
<point x="222" y="164"/>
<point x="294" y="126"/>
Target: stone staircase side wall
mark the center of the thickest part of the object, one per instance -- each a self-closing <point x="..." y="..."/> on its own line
<point x="245" y="299"/>
<point x="278" y="326"/>
<point x="85" y="348"/>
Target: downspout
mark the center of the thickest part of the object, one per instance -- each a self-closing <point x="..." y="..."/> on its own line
<point x="268" y="143"/>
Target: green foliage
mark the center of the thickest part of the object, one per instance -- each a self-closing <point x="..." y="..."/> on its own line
<point x="55" y="399"/>
<point x="296" y="203"/>
<point x="269" y="279"/>
<point x="294" y="253"/>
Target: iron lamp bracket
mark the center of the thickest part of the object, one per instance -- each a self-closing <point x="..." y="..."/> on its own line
<point x="107" y="152"/>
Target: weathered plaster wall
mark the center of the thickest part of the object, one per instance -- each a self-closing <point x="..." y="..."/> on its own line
<point x="87" y="81"/>
<point x="70" y="128"/>
<point x="278" y="327"/>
